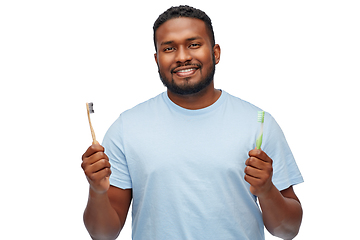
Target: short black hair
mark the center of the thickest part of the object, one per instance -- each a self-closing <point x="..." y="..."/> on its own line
<point x="185" y="11"/>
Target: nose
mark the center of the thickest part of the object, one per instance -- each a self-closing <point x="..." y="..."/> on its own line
<point x="183" y="55"/>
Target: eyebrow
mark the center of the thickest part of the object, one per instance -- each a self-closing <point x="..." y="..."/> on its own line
<point x="193" y="38"/>
<point x="187" y="40"/>
<point x="166" y="43"/>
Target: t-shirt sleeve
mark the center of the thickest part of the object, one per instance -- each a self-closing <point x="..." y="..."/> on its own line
<point x="285" y="170"/>
<point x="114" y="149"/>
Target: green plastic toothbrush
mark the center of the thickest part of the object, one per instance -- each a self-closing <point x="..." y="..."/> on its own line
<point x="261" y="115"/>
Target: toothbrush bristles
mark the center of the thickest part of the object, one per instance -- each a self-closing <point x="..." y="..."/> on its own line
<point x="91" y="107"/>
<point x="261" y="115"/>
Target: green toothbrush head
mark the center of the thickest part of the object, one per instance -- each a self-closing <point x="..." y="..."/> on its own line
<point x="261" y="115"/>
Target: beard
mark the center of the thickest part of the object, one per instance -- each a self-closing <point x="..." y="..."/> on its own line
<point x="188" y="89"/>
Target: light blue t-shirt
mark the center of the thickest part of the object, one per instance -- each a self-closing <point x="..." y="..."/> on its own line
<point x="186" y="168"/>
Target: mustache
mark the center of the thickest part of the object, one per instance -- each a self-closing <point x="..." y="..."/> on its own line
<point x="196" y="65"/>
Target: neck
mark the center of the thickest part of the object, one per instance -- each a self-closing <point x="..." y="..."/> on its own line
<point x="202" y="99"/>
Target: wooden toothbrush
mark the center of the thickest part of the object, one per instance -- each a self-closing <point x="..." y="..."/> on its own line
<point x="90" y="109"/>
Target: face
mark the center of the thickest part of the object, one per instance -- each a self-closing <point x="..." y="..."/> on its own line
<point x="185" y="57"/>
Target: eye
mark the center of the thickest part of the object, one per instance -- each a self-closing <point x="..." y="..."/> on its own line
<point x="194" y="45"/>
<point x="169" y="49"/>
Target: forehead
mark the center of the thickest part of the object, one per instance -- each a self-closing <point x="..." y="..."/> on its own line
<point x="179" y="29"/>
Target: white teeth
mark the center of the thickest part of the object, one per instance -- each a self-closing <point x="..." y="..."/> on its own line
<point x="187" y="70"/>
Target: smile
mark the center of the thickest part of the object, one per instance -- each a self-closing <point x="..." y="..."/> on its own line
<point x="186" y="72"/>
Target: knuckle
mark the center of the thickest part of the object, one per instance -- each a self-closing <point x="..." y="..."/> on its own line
<point x="93" y="177"/>
<point x="89" y="175"/>
<point x="104" y="156"/>
<point x="101" y="155"/>
<point x="108" y="164"/>
<point x="249" y="161"/>
<point x="87" y="172"/>
<point x="246" y="178"/>
<point x="83" y="165"/>
<point x="104" y="162"/>
<point x="108" y="172"/>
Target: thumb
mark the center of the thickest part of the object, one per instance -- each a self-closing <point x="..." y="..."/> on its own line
<point x="255" y="152"/>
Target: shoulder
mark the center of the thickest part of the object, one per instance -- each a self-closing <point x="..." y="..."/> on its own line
<point x="239" y="106"/>
<point x="238" y="102"/>
<point x="147" y="105"/>
<point x="144" y="109"/>
<point x="144" y="113"/>
<point x="136" y="117"/>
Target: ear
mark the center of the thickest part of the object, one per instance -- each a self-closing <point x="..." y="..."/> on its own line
<point x="155" y="55"/>
<point x="217" y="52"/>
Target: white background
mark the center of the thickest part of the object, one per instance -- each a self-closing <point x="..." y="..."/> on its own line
<point x="298" y="60"/>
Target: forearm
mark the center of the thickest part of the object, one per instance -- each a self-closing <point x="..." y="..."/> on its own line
<point x="101" y="220"/>
<point x="282" y="216"/>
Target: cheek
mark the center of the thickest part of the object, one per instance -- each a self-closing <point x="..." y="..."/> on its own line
<point x="205" y="57"/>
<point x="163" y="68"/>
<point x="164" y="61"/>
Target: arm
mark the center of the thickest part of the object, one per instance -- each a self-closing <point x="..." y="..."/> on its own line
<point x="282" y="211"/>
<point x="107" y="206"/>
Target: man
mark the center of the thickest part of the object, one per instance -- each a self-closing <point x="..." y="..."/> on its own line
<point x="187" y="157"/>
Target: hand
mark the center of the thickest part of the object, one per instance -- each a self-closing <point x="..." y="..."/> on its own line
<point x="258" y="172"/>
<point x="96" y="167"/>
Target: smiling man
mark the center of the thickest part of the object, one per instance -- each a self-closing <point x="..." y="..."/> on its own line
<point x="187" y="157"/>
<point x="186" y="57"/>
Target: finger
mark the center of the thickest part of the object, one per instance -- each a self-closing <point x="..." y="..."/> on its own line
<point x="97" y="167"/>
<point x="253" y="181"/>
<point x="97" y="176"/>
<point x="256" y="163"/>
<point x="253" y="172"/>
<point x="100" y="165"/>
<point x="96" y="157"/>
<point x="93" y="149"/>
<point x="258" y="153"/>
